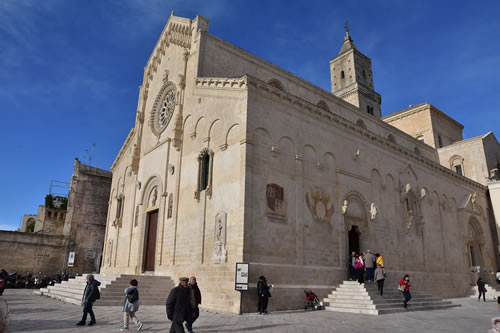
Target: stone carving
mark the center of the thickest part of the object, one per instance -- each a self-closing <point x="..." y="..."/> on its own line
<point x="136" y="219"/>
<point x="423" y="193"/>
<point x="170" y="205"/>
<point x="474" y="198"/>
<point x="165" y="76"/>
<point x="356" y="155"/>
<point x="318" y="202"/>
<point x="155" y="197"/>
<point x="407" y="188"/>
<point x="373" y="211"/>
<point x="344" y="207"/>
<point x="109" y="252"/>
<point x="276" y="203"/>
<point x="220" y="253"/>
<point x="163" y="108"/>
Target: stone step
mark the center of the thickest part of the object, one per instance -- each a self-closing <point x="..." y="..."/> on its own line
<point x="364" y="298"/>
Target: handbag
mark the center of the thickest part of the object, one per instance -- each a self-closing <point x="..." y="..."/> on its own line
<point x="401" y="287"/>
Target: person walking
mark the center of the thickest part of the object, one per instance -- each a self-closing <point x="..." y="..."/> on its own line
<point x="405" y="283"/>
<point x="370" y="265"/>
<point x="380" y="278"/>
<point x="195" y="300"/>
<point x="131" y="306"/>
<point x="264" y="294"/>
<point x="4" y="277"/>
<point x="359" y="266"/>
<point x="90" y="295"/>
<point x="379" y="260"/>
<point x="178" y="306"/>
<point x="482" y="289"/>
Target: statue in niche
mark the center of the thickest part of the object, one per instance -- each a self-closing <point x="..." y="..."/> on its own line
<point x="155" y="197"/>
<point x="220" y="252"/>
<point x="170" y="205"/>
<point x="373" y="211"/>
<point x="109" y="251"/>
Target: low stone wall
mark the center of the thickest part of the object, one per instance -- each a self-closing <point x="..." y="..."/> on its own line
<point x="29" y="252"/>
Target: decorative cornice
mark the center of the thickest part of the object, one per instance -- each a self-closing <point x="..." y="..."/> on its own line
<point x="353" y="175"/>
<point x="338" y="120"/>
<point x="123" y="148"/>
<point x="222" y="83"/>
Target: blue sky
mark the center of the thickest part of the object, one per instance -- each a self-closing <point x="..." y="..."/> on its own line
<point x="70" y="70"/>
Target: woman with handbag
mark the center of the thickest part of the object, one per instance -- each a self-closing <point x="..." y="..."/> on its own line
<point x="359" y="266"/>
<point x="380" y="278"/>
<point x="404" y="286"/>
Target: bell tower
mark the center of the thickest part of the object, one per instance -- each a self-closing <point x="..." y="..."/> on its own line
<point x="352" y="78"/>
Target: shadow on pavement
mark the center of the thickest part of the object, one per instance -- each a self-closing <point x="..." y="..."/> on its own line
<point x="232" y="329"/>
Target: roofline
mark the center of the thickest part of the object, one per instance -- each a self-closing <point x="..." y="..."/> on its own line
<point x="417" y="108"/>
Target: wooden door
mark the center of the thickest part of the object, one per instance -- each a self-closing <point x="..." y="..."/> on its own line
<point x="149" y="264"/>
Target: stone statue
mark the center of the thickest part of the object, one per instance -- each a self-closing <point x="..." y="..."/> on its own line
<point x="220" y="253"/>
<point x="373" y="211"/>
<point x="344" y="207"/>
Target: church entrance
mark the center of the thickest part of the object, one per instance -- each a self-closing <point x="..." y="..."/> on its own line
<point x="150" y="246"/>
<point x="353" y="236"/>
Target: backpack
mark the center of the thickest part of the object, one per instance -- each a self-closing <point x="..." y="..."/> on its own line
<point x="98" y="293"/>
<point x="133" y="297"/>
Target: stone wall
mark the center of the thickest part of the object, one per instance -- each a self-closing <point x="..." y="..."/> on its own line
<point x="29" y="252"/>
<point x="85" y="223"/>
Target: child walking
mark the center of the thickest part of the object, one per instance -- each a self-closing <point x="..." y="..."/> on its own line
<point x="131" y="306"/>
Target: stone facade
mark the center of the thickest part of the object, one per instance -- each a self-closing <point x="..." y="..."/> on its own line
<point x="233" y="159"/>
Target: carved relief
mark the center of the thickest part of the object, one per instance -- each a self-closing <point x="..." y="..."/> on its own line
<point x="109" y="252"/>
<point x="276" y="202"/>
<point x="163" y="108"/>
<point x="153" y="197"/>
<point x="318" y="202"/>
<point x="220" y="253"/>
<point x="344" y="207"/>
<point x="170" y="205"/>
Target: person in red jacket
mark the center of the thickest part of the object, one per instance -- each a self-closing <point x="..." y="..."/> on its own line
<point x="405" y="282"/>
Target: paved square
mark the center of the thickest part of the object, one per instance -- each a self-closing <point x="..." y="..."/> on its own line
<point x="29" y="313"/>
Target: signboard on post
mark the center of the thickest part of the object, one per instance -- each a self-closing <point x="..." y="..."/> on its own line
<point x="241" y="279"/>
<point x="71" y="259"/>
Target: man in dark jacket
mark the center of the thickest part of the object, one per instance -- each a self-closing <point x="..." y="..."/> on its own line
<point x="90" y="295"/>
<point x="195" y="300"/>
<point x="178" y="306"/>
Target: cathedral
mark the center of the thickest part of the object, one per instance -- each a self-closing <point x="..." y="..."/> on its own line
<point x="235" y="160"/>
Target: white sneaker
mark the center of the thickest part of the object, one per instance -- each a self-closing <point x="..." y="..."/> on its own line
<point x="124" y="329"/>
<point x="139" y="327"/>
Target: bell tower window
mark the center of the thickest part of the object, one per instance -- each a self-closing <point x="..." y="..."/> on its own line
<point x="342" y="75"/>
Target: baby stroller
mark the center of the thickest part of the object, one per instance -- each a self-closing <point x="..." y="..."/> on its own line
<point x="312" y="301"/>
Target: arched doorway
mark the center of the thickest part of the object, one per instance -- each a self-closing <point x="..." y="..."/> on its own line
<point x="475" y="240"/>
<point x="150" y="246"/>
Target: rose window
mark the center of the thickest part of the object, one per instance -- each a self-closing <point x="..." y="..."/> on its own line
<point x="167" y="109"/>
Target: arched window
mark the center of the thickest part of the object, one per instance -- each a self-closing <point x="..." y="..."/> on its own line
<point x="205" y="167"/>
<point x="457" y="164"/>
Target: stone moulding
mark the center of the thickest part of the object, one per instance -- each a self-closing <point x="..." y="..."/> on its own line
<point x="225" y="83"/>
<point x="319" y="113"/>
<point x="123" y="148"/>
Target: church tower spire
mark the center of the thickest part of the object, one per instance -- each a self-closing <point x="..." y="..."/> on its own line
<point x="352" y="78"/>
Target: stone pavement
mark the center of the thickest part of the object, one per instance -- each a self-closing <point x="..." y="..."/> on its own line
<point x="30" y="313"/>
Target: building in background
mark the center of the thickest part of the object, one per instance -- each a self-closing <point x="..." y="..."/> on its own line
<point x="73" y="224"/>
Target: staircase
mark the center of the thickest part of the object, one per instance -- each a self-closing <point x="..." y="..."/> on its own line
<point x="353" y="297"/>
<point x="491" y="292"/>
<point x="153" y="290"/>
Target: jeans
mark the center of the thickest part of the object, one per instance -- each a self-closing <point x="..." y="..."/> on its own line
<point x="127" y="315"/>
<point x="407" y="296"/>
<point x="190" y="322"/>
<point x="87" y="308"/>
<point x="369" y="273"/>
